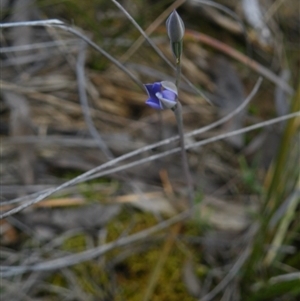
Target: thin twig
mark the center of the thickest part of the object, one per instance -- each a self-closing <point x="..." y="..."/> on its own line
<point x="197" y="144"/>
<point x="161" y="143"/>
<point x="73" y="259"/>
<point x="137" y="44"/>
<point x="203" y="38"/>
<point x="158" y="51"/>
<point x="91" y="173"/>
<point x="38" y="45"/>
<point x="84" y="101"/>
<point x="209" y="3"/>
<point x="26" y="59"/>
<point x="285" y="277"/>
<point x="234" y="270"/>
<point x="227" y="11"/>
<point x="164" y="15"/>
<point x="79" y="142"/>
<point x="87" y="115"/>
<point x="104" y="53"/>
<point x="60" y="24"/>
<point x="50" y="22"/>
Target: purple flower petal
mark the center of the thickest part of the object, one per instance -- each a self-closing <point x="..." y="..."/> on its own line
<point x="166" y="85"/>
<point x="165" y="102"/>
<point x="154" y="103"/>
<point x="169" y="95"/>
<point x="152" y="89"/>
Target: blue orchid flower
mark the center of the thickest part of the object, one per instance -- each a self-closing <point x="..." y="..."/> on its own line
<point x="162" y="95"/>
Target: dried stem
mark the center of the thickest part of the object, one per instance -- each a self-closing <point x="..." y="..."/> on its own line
<point x="61" y="25"/>
<point x="73" y="259"/>
<point x="203" y="38"/>
<point x="84" y="101"/>
<point x="194" y="145"/>
<point x="91" y="174"/>
<point x="158" y="51"/>
<point x="96" y="170"/>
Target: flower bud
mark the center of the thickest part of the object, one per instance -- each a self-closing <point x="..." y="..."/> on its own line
<point x="175" y="27"/>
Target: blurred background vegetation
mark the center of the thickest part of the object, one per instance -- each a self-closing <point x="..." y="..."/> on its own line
<point x="243" y="240"/>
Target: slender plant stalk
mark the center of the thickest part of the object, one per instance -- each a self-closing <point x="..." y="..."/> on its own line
<point x="178" y="72"/>
<point x="178" y="114"/>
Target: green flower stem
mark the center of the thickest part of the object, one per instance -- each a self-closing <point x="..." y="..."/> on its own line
<point x="178" y="72"/>
<point x="178" y="114"/>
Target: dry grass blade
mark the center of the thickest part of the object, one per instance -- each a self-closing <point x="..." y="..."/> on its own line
<point x="240" y="57"/>
<point x="137" y="44"/>
<point x="84" y="101"/>
<point x="289" y="216"/>
<point x="38" y="46"/>
<point x="94" y="252"/>
<point x="93" y="173"/>
<point x="157" y="50"/>
<point x="60" y="24"/>
<point x="160" y="262"/>
<point x="32" y="23"/>
<point x="166" y="141"/>
<point x="232" y="273"/>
